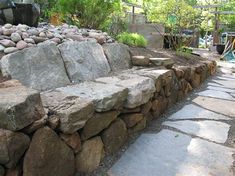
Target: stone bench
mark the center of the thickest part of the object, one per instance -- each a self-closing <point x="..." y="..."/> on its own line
<point x="81" y="112"/>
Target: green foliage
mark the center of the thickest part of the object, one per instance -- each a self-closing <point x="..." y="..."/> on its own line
<point x="91" y="14"/>
<point x="47" y="7"/>
<point x="185" y="49"/>
<point x="132" y="39"/>
<point x="118" y="24"/>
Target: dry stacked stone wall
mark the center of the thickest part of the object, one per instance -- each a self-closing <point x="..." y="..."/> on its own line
<point x="65" y="107"/>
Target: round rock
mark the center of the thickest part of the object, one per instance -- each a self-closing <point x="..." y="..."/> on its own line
<point x="21" y="45"/>
<point x="7" y="43"/>
<point x="15" y="37"/>
<point x="10" y="50"/>
<point x="8" y="26"/>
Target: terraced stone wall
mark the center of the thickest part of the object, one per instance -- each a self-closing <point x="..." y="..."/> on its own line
<point x="68" y="107"/>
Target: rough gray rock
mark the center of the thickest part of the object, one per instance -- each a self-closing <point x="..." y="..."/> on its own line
<point x="97" y="123"/>
<point x="115" y="136"/>
<point x="72" y="111"/>
<point x="48" y="155"/>
<point x="12" y="147"/>
<point x="141" y="89"/>
<point x="118" y="56"/>
<point x="84" y="60"/>
<point x="90" y="156"/>
<point x="19" y="107"/>
<point x="105" y="96"/>
<point x="39" y="67"/>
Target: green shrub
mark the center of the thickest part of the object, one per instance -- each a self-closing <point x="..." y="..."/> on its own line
<point x="90" y="13"/>
<point x="132" y="39"/>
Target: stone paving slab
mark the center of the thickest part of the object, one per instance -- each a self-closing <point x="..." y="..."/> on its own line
<point x="224" y="107"/>
<point x="216" y="94"/>
<point x="171" y="153"/>
<point x="216" y="85"/>
<point x="192" y="111"/>
<point x="226" y="83"/>
<point x="211" y="130"/>
<point x="230" y="76"/>
<point x="226" y="78"/>
<point x="221" y="89"/>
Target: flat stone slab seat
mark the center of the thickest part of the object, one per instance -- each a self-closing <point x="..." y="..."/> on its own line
<point x="84" y="61"/>
<point x="72" y="111"/>
<point x="40" y="67"/>
<point x="167" y="62"/>
<point x="141" y="89"/>
<point x="155" y="74"/>
<point x="104" y="96"/>
<point x="19" y="107"/>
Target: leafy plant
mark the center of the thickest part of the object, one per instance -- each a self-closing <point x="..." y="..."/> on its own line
<point x="132" y="39"/>
<point x="118" y="24"/>
<point x="90" y="14"/>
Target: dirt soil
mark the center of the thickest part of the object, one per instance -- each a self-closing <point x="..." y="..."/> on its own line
<point x="182" y="60"/>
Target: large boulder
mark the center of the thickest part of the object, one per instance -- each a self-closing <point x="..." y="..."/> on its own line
<point x="72" y="111"/>
<point x="141" y="89"/>
<point x="105" y="96"/>
<point x="40" y="67"/>
<point x="90" y="156"/>
<point x="84" y="60"/>
<point x="118" y="56"/>
<point x="99" y="122"/>
<point x="48" y="155"/>
<point x="19" y="107"/>
<point x="115" y="136"/>
<point x="12" y="147"/>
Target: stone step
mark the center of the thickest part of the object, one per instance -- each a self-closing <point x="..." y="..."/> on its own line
<point x="140" y="61"/>
<point x="167" y="62"/>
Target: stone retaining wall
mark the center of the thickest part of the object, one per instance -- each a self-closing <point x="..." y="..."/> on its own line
<point x="69" y="125"/>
